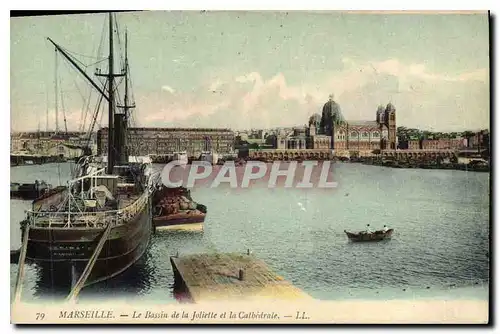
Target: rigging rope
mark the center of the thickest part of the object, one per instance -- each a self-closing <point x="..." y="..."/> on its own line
<point x="96" y="113"/>
<point x="63" y="109"/>
<point x="101" y="42"/>
<point x="102" y="80"/>
<point x="85" y="101"/>
<point x="122" y="61"/>
<point x="98" y="62"/>
<point x="56" y="91"/>
<point x="80" y="54"/>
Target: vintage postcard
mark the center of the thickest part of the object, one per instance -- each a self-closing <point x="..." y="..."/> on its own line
<point x="252" y="167"/>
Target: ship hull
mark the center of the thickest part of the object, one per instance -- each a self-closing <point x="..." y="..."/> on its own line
<point x="182" y="222"/>
<point x="28" y="191"/>
<point x="66" y="252"/>
<point x="181" y="227"/>
<point x="25" y="195"/>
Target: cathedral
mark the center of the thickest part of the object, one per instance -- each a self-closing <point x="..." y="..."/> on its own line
<point x="343" y="136"/>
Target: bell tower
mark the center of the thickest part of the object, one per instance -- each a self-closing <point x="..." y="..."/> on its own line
<point x="382" y="126"/>
<point x="390" y="113"/>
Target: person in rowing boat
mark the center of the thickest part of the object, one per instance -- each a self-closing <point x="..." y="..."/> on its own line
<point x="368" y="229"/>
<point x="385" y="229"/>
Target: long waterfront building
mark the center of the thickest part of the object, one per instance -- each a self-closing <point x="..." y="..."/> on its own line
<point x="165" y="141"/>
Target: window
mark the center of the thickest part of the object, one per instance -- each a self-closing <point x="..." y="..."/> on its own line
<point x="375" y="134"/>
<point x="365" y="134"/>
<point x="354" y="134"/>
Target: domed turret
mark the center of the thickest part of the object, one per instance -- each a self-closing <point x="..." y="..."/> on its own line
<point x="390" y="107"/>
<point x="315" y="120"/>
<point x="380" y="115"/>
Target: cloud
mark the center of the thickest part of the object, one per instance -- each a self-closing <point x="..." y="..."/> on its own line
<point x="168" y="89"/>
<point x="74" y="122"/>
<point x="214" y="85"/>
<point x="422" y="97"/>
<point x="251" y="100"/>
<point x="419" y="71"/>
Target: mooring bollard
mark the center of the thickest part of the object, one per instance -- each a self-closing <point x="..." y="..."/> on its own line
<point x="241" y="275"/>
<point x="248" y="251"/>
<point x="177" y="254"/>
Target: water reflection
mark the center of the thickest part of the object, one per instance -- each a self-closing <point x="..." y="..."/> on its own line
<point x="135" y="280"/>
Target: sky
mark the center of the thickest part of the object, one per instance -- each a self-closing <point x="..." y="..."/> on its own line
<point x="245" y="70"/>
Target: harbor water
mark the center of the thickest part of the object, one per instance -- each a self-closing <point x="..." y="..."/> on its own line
<point x="440" y="247"/>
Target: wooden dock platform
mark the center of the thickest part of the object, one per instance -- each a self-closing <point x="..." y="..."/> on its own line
<point x="230" y="276"/>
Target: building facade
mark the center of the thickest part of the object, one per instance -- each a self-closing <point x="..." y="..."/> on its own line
<point x="65" y="151"/>
<point x="165" y="141"/>
<point x="331" y="129"/>
<point x="479" y="139"/>
<point x="442" y="144"/>
<point x="318" y="142"/>
<point x="48" y="143"/>
<point x="314" y="139"/>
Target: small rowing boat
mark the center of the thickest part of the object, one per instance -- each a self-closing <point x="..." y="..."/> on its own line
<point x="374" y="236"/>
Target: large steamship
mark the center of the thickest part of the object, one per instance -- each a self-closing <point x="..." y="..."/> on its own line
<point x="100" y="223"/>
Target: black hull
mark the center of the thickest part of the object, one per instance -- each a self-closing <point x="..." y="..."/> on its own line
<point x="68" y="272"/>
<point x="66" y="252"/>
<point x="31" y="194"/>
<point x="28" y="191"/>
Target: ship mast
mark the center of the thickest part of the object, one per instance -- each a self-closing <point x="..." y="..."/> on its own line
<point x="124" y="151"/>
<point x="123" y="118"/>
<point x="111" y="102"/>
<point x="115" y="120"/>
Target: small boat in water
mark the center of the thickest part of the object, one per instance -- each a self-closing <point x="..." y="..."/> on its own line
<point x="182" y="220"/>
<point x="175" y="209"/>
<point x="29" y="191"/>
<point x="373" y="236"/>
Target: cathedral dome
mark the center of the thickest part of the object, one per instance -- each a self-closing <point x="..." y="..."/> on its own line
<point x="331" y="111"/>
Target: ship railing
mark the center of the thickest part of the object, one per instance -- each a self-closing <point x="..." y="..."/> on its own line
<point x="72" y="219"/>
<point x="97" y="219"/>
<point x="132" y="210"/>
<point x="88" y="176"/>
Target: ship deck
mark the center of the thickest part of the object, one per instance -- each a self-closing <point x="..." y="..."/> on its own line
<point x="125" y="200"/>
<point x="210" y="277"/>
